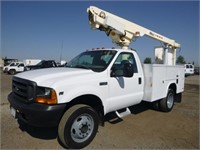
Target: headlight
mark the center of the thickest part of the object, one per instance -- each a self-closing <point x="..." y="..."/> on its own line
<point x="46" y="95"/>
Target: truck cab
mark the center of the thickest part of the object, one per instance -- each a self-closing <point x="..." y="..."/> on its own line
<point x="96" y="72"/>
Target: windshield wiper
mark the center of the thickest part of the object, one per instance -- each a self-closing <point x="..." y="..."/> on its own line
<point x="79" y="66"/>
<point x="82" y="66"/>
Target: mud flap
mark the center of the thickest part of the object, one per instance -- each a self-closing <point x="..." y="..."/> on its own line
<point x="178" y="97"/>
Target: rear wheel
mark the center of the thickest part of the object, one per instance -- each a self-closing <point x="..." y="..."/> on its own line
<point x="78" y="126"/>
<point x="167" y="103"/>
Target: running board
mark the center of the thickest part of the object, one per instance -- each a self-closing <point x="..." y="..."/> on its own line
<point x="123" y="114"/>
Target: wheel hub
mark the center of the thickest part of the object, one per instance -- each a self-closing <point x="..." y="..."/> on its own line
<point x="170" y="100"/>
<point x="82" y="128"/>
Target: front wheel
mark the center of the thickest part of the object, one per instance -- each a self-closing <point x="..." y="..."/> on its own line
<point x="78" y="126"/>
<point x="12" y="72"/>
<point x="167" y="103"/>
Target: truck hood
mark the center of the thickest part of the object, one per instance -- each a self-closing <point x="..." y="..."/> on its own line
<point x="47" y="77"/>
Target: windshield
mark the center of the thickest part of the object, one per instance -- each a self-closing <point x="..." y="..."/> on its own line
<point x="40" y="63"/>
<point x="14" y="64"/>
<point x="95" y="60"/>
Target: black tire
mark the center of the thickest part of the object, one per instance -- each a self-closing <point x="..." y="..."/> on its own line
<point x="167" y="103"/>
<point x="12" y="72"/>
<point x="78" y="126"/>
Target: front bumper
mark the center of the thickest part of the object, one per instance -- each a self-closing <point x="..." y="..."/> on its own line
<point x="5" y="70"/>
<point x="35" y="114"/>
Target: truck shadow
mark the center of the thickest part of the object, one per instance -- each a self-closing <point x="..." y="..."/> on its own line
<point x="52" y="133"/>
<point x="39" y="132"/>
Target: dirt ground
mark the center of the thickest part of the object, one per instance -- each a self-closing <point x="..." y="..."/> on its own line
<point x="145" y="128"/>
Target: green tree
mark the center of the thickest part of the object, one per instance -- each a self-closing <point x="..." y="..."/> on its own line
<point x="180" y="60"/>
<point x="147" y="60"/>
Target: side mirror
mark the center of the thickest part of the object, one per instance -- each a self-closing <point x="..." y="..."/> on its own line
<point x="128" y="70"/>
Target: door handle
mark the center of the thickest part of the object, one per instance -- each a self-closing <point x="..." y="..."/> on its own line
<point x="139" y="80"/>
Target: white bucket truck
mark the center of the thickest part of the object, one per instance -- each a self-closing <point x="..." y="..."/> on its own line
<point x="77" y="97"/>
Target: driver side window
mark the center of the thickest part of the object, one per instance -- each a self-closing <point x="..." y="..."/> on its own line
<point x="21" y="65"/>
<point x="122" y="59"/>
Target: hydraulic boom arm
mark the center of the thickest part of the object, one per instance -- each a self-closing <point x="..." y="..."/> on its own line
<point x="122" y="31"/>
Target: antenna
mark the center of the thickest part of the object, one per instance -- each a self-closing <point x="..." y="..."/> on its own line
<point x="61" y="50"/>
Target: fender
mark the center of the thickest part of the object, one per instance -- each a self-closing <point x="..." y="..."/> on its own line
<point x="70" y="94"/>
<point x="173" y="86"/>
<point x="83" y="90"/>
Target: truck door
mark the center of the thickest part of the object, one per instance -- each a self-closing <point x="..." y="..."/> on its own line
<point x="20" y="67"/>
<point x="124" y="91"/>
